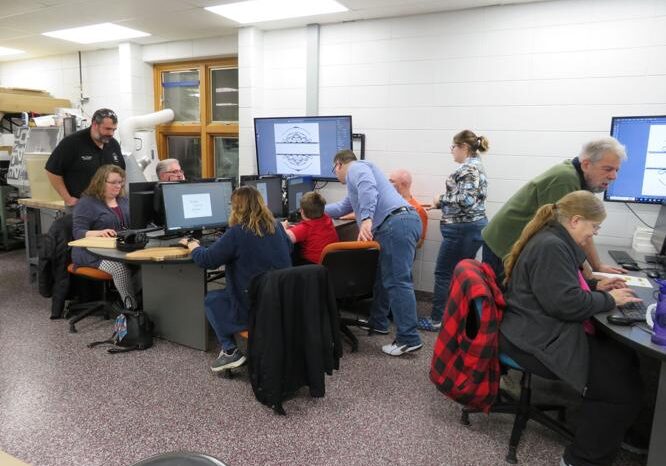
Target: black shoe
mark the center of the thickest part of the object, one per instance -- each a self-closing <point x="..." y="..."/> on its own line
<point x="364" y="325"/>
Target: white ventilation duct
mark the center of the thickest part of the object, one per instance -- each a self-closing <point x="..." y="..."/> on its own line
<point x="128" y="142"/>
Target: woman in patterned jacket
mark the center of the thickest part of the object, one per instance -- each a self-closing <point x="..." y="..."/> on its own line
<point x="463" y="217"/>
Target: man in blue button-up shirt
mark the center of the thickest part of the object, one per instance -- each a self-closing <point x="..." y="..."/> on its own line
<point x="383" y="215"/>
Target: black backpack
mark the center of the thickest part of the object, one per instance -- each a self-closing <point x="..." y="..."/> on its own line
<point x="132" y="330"/>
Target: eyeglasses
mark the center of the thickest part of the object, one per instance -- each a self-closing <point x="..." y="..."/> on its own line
<point x="116" y="182"/>
<point x="99" y="115"/>
<point x="175" y="172"/>
<point x="335" y="165"/>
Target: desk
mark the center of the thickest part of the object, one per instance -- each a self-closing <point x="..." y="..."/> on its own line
<point x="174" y="290"/>
<point x="640" y="341"/>
<point x="38" y="216"/>
<point x="173" y="296"/>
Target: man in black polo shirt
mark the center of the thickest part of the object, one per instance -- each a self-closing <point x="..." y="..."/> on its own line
<point x="77" y="157"/>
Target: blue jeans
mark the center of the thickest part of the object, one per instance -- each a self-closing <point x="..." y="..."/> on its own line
<point x="223" y="319"/>
<point x="459" y="241"/>
<point x="394" y="287"/>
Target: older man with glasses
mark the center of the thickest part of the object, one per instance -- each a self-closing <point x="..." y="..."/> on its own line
<point x="169" y="170"/>
<point x="77" y="157"/>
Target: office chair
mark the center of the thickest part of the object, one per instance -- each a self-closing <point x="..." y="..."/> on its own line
<point x="505" y="403"/>
<point x="181" y="458"/>
<point x="85" y="309"/>
<point x="352" y="266"/>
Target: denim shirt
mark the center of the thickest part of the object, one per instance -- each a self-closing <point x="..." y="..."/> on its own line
<point x="466" y="191"/>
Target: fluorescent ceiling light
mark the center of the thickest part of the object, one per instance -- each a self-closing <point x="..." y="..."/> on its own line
<point x="103" y="32"/>
<point x="257" y="11"/>
<point x="8" y="51"/>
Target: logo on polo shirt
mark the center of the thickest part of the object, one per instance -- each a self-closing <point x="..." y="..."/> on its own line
<point x="86" y="158"/>
<point x="115" y="157"/>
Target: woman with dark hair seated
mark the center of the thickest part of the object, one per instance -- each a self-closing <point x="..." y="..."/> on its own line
<point x="254" y="243"/>
<point x="546" y="327"/>
<point x="102" y="211"/>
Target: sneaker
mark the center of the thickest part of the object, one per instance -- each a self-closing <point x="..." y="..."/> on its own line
<point x="425" y="323"/>
<point x="365" y="326"/>
<point x="563" y="462"/>
<point x="396" y="349"/>
<point x="228" y="361"/>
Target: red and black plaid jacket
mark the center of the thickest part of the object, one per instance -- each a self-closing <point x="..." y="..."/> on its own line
<point x="465" y="365"/>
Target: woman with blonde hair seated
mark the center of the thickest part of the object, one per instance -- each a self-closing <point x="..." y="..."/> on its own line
<point x="254" y="243"/>
<point x="546" y="326"/>
<point x="102" y="211"/>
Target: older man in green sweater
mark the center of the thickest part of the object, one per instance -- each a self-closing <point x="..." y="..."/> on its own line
<point x="593" y="170"/>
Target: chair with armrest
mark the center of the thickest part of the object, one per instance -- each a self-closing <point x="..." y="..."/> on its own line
<point x="352" y="266"/>
<point x="477" y="337"/>
<point x="91" y="275"/>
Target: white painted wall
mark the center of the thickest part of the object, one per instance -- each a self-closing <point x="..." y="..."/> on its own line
<point x="538" y="80"/>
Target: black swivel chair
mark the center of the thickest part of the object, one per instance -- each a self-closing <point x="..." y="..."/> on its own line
<point x="352" y="266"/>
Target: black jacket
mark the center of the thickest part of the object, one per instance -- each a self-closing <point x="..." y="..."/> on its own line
<point x="54" y="257"/>
<point x="294" y="333"/>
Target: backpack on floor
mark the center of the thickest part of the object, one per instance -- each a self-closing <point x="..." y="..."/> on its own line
<point x="132" y="330"/>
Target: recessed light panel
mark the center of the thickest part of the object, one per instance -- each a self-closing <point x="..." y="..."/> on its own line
<point x="103" y="32"/>
<point x="8" y="51"/>
<point x="257" y="11"/>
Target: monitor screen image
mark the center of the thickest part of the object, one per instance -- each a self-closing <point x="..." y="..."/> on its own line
<point x="301" y="145"/>
<point x="642" y="178"/>
<point x="141" y="205"/>
<point x="296" y="187"/>
<point x="270" y="188"/>
<point x="196" y="206"/>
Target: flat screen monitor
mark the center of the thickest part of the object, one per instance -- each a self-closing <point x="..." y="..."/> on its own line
<point x="196" y="206"/>
<point x="301" y="145"/>
<point x="296" y="187"/>
<point x="142" y="206"/>
<point x="642" y="178"/>
<point x="270" y="188"/>
<point x="659" y="232"/>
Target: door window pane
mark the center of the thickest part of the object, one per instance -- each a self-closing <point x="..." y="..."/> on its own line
<point x="187" y="149"/>
<point x="224" y="94"/>
<point x="180" y="90"/>
<point x="226" y="157"/>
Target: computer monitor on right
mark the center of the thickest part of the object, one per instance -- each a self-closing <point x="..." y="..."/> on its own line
<point x="193" y="207"/>
<point x="659" y="235"/>
<point x="642" y="178"/>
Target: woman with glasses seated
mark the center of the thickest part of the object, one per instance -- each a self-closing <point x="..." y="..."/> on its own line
<point x="254" y="243"/>
<point x="463" y="217"/>
<point x="547" y="331"/>
<point x="102" y="211"/>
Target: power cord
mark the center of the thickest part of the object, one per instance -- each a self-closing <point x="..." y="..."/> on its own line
<point x="638" y="217"/>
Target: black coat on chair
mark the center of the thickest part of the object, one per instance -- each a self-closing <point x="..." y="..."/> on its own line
<point x="54" y="256"/>
<point x="294" y="336"/>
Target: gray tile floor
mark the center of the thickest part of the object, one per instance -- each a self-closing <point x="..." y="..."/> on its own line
<point x="62" y="403"/>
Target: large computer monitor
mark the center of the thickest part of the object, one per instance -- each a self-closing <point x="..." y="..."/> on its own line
<point x="141" y="205"/>
<point x="642" y="178"/>
<point x="270" y="188"/>
<point x="659" y="233"/>
<point x="196" y="206"/>
<point x="296" y="187"/>
<point x="301" y="145"/>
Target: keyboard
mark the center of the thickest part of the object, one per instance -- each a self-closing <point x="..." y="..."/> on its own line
<point x="634" y="311"/>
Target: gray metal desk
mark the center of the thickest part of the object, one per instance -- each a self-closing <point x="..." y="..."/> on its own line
<point x="173" y="296"/>
<point x="639" y="340"/>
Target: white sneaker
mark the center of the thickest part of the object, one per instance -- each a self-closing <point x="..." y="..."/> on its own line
<point x="395" y="349"/>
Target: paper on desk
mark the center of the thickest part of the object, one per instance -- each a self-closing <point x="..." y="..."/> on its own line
<point x="629" y="279"/>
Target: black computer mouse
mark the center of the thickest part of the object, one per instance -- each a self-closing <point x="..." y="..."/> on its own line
<point x="652" y="274"/>
<point x="630" y="266"/>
